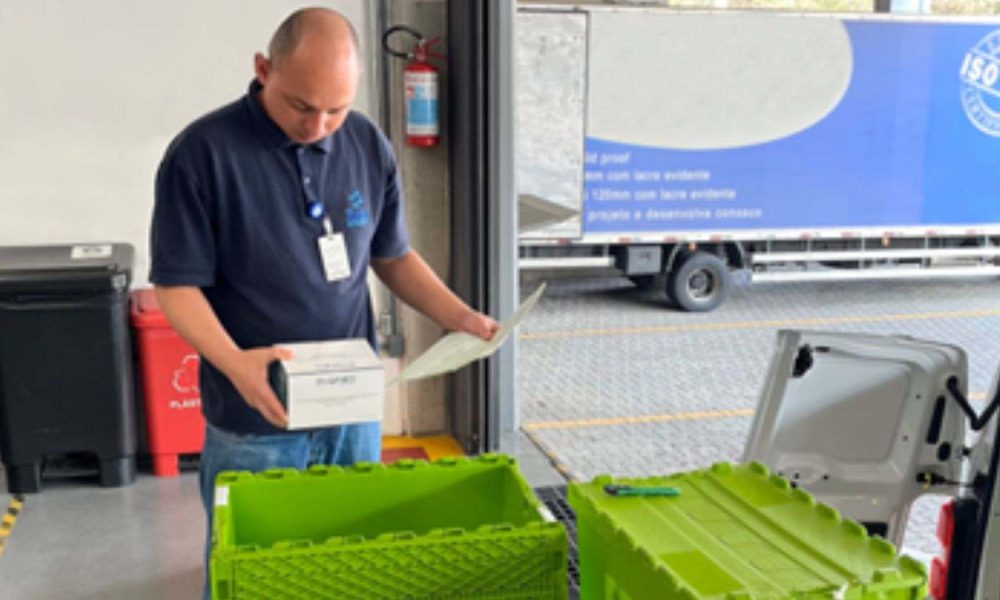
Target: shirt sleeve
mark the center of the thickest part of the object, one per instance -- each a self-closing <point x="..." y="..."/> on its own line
<point x="182" y="246"/>
<point x="391" y="238"/>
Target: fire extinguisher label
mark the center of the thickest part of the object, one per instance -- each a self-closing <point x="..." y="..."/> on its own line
<point x="421" y="103"/>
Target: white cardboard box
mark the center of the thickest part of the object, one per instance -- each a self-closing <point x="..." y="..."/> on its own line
<point x="330" y="383"/>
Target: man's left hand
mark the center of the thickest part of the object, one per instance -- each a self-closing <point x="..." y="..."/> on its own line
<point x="479" y="325"/>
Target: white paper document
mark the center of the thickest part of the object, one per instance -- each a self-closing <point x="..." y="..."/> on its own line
<point x="455" y="350"/>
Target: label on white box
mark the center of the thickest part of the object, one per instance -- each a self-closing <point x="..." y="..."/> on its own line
<point x="332" y="383"/>
<point x="335" y="397"/>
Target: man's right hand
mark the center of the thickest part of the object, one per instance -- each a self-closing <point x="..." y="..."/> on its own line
<point x="248" y="373"/>
<point x="193" y="318"/>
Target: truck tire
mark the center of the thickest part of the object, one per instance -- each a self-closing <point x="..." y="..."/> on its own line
<point x="699" y="282"/>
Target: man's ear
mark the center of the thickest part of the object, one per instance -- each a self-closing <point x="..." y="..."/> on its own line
<point x="261" y="68"/>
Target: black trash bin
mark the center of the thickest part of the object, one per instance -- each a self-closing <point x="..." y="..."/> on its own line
<point x="65" y="361"/>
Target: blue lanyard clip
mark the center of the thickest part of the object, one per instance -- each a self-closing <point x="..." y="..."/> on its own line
<point x="315" y="210"/>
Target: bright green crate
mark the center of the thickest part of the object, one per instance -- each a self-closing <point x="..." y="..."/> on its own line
<point x="456" y="528"/>
<point x="734" y="531"/>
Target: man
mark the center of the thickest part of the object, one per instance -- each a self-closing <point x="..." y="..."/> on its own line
<point x="268" y="213"/>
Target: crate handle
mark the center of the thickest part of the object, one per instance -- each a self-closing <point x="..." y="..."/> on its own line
<point x="397" y="536"/>
<point x="447" y="532"/>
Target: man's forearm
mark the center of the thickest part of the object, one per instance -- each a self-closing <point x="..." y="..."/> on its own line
<point x="416" y="284"/>
<point x="193" y="318"/>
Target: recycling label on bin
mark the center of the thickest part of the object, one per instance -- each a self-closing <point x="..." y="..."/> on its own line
<point x="185" y="382"/>
<point x="90" y="252"/>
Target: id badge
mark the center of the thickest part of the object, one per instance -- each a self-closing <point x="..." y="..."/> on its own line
<point x="333" y="252"/>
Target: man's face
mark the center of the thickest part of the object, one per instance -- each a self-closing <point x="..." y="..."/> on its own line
<point x="308" y="94"/>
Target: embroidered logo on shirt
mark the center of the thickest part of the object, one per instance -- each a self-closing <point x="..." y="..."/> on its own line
<point x="357" y="211"/>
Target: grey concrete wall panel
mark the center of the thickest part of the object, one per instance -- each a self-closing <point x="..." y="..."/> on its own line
<point x="550" y="85"/>
<point x="424" y="173"/>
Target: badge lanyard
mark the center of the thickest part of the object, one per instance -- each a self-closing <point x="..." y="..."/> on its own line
<point x="332" y="249"/>
<point x="317" y="212"/>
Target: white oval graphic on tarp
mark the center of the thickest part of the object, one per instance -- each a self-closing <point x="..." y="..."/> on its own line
<point x="700" y="82"/>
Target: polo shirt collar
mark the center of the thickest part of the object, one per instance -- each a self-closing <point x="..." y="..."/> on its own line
<point x="268" y="130"/>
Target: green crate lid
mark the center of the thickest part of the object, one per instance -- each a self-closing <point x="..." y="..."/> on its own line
<point x="732" y="531"/>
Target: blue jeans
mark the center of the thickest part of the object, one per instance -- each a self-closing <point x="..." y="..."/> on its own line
<point x="225" y="451"/>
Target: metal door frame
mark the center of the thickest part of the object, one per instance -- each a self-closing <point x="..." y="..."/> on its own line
<point x="484" y="217"/>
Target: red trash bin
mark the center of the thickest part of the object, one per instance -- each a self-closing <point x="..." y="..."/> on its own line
<point x="169" y="371"/>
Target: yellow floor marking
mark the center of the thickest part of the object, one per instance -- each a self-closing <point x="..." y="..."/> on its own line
<point x="660" y="418"/>
<point x="686" y="416"/>
<point x="769" y="324"/>
<point x="9" y="518"/>
<point x="436" y="446"/>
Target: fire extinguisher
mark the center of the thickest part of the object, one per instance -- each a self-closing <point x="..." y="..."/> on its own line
<point x="420" y="84"/>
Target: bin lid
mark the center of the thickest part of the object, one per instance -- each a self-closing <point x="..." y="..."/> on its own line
<point x="105" y="266"/>
<point x="146" y="313"/>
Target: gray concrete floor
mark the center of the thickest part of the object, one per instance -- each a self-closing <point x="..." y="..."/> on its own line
<point x="76" y="540"/>
<point x="605" y="367"/>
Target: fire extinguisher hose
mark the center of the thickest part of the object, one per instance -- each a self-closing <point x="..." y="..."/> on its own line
<point x="416" y="35"/>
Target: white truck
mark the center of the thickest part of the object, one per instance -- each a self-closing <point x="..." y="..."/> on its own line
<point x="683" y="147"/>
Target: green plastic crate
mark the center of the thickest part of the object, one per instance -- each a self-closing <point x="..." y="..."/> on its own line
<point x="734" y="531"/>
<point x="456" y="528"/>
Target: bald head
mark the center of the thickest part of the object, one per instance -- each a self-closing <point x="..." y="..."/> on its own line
<point x="316" y="25"/>
<point x="309" y="81"/>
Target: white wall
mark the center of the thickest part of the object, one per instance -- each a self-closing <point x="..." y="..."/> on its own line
<point x="92" y="92"/>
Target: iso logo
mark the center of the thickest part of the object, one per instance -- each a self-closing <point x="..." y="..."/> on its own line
<point x="980" y="74"/>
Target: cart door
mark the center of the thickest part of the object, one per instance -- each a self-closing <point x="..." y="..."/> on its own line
<point x="863" y="422"/>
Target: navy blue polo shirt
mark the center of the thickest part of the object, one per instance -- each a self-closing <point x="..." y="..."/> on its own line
<point x="230" y="218"/>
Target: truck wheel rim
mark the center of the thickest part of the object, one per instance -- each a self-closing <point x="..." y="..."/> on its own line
<point x="701" y="284"/>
